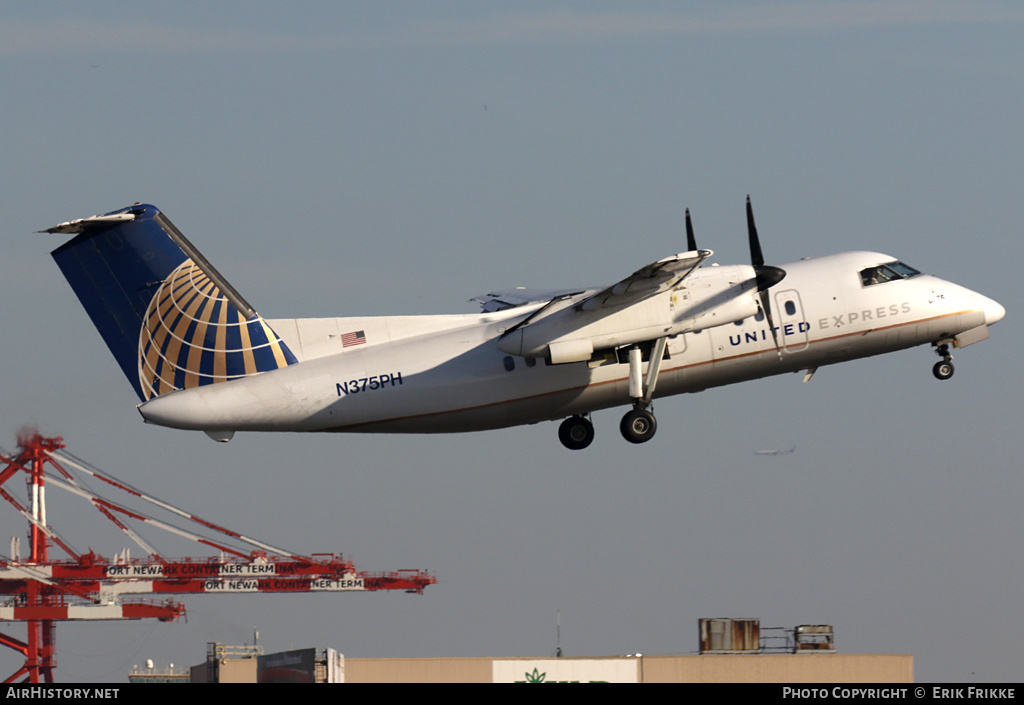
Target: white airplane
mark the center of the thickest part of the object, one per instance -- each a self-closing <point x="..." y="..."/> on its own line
<point x="201" y="358"/>
<point x="776" y="452"/>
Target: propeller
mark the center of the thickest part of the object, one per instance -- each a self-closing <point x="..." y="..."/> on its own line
<point x="766" y="276"/>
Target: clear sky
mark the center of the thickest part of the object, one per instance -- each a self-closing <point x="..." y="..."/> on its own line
<point x="355" y="158"/>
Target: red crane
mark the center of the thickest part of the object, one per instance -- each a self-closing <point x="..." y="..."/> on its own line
<point x="87" y="586"/>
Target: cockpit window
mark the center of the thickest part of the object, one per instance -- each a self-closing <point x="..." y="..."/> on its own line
<point x="886" y="273"/>
<point x="905" y="270"/>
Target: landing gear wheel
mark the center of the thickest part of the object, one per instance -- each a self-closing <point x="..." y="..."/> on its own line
<point x="576" y="433"/>
<point x="638" y="426"/>
<point x="943" y="369"/>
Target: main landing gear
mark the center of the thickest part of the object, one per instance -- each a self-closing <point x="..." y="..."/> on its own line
<point x="639" y="424"/>
<point x="576" y="432"/>
<point x="944" y="368"/>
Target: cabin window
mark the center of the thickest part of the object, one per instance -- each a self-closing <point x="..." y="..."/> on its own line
<point x="531" y="362"/>
<point x="790" y="308"/>
<point x="510" y="363"/>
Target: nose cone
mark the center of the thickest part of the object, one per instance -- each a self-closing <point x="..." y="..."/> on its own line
<point x="994" y="311"/>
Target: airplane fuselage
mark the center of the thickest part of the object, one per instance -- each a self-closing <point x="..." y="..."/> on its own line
<point x="432" y="374"/>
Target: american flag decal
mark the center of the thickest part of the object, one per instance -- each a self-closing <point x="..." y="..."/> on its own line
<point x="354" y="338"/>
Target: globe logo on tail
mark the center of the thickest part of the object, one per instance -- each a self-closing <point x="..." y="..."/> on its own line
<point x="193" y="336"/>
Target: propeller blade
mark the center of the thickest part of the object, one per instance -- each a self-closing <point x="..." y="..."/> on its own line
<point x="766" y="276"/>
<point x="756" y="258"/>
<point x="691" y="241"/>
<point x="767" y="308"/>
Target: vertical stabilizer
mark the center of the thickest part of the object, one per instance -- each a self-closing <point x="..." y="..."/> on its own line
<point x="170" y="319"/>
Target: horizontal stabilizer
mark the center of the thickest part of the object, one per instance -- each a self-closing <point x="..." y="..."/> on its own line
<point x="96" y="221"/>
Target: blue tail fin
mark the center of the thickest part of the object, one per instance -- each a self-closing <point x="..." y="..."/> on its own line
<point x="170" y="319"/>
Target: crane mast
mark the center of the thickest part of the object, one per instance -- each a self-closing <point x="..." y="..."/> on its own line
<point x="41" y="591"/>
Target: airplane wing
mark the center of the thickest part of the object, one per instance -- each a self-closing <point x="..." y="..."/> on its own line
<point x="645" y="282"/>
<point x="570" y="331"/>
<point x="654" y="278"/>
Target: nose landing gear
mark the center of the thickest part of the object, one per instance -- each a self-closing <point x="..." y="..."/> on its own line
<point x="943" y="369"/>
